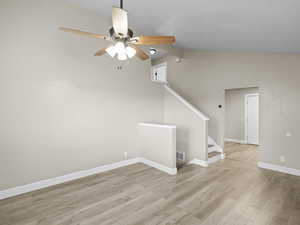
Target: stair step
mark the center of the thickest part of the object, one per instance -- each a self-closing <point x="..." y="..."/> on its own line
<point x="213" y="154"/>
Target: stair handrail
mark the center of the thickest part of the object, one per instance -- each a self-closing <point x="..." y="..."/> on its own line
<point x="186" y="103"/>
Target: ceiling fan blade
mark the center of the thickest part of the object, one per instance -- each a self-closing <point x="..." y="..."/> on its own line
<point x="154" y="40"/>
<point x="100" y="52"/>
<point x="120" y="21"/>
<point x="140" y="53"/>
<point x="84" y="33"/>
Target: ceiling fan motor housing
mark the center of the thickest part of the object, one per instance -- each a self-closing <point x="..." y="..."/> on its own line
<point x="112" y="33"/>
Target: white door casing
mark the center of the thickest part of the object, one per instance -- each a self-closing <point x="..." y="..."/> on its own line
<point x="252" y="119"/>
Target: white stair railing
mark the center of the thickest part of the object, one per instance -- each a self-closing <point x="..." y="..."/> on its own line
<point x="186" y="103"/>
<point x="192" y="126"/>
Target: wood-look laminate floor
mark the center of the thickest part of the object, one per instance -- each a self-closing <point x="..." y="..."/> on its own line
<point x="230" y="192"/>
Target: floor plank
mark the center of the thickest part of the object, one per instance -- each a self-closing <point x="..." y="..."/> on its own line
<point x="228" y="192"/>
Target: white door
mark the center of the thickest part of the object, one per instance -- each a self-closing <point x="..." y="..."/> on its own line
<point x="252" y="119"/>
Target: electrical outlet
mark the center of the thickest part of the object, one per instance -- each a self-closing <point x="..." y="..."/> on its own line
<point x="125" y="155"/>
<point x="282" y="159"/>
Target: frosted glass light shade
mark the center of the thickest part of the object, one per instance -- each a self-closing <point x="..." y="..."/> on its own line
<point x="130" y="51"/>
<point x="122" y="56"/>
<point x="111" y="51"/>
<point x="120" y="48"/>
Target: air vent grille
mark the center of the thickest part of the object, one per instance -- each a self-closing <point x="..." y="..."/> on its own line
<point x="180" y="156"/>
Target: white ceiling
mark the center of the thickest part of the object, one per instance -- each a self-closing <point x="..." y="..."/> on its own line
<point x="246" y="25"/>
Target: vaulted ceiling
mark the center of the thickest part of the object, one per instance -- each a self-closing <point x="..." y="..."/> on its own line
<point x="234" y="25"/>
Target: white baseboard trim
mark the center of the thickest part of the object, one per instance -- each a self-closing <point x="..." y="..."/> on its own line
<point x="80" y="174"/>
<point x="235" y="140"/>
<point x="63" y="179"/>
<point x="199" y="162"/>
<point x="171" y="171"/>
<point x="216" y="158"/>
<point x="215" y="148"/>
<point x="278" y="168"/>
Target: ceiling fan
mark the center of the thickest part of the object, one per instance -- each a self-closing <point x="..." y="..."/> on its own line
<point x="124" y="44"/>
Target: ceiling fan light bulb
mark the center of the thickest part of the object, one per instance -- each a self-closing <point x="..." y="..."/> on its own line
<point x="111" y="51"/>
<point x="120" y="48"/>
<point x="122" y="57"/>
<point x="130" y="51"/>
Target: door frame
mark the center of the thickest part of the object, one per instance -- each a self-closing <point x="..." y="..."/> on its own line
<point x="246" y="116"/>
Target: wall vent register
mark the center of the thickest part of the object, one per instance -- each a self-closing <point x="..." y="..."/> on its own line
<point x="180" y="156"/>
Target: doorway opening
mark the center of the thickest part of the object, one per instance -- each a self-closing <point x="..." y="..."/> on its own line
<point x="241" y="134"/>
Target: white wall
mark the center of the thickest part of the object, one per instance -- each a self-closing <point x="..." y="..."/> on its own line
<point x="62" y="109"/>
<point x="202" y="77"/>
<point x="235" y="112"/>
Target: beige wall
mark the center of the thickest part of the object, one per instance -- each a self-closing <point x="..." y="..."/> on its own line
<point x="202" y="77"/>
<point x="157" y="143"/>
<point x="235" y="112"/>
<point x="191" y="132"/>
<point x="62" y="109"/>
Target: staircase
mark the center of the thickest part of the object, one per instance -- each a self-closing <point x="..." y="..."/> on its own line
<point x="214" y="151"/>
<point x="193" y="124"/>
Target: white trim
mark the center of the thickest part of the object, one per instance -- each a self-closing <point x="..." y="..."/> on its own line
<point x="215" y="148"/>
<point x="171" y="171"/>
<point x="223" y="156"/>
<point x="235" y="140"/>
<point x="211" y="141"/>
<point x="186" y="103"/>
<point x="80" y="174"/>
<point x="209" y="160"/>
<point x="278" y="168"/>
<point x="212" y="149"/>
<point x="62" y="179"/>
<point x="158" y="125"/>
<point x="199" y="162"/>
<point x="216" y="158"/>
<point x="246" y="116"/>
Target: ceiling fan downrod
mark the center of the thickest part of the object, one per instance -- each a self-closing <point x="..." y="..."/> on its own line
<point x="121" y="4"/>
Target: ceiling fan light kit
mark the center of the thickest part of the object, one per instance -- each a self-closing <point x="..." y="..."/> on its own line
<point x="125" y="45"/>
<point x="130" y="52"/>
<point x="111" y="51"/>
